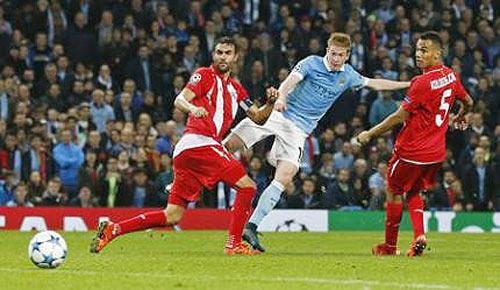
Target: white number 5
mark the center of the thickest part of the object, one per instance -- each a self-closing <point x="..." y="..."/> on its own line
<point x="443" y="107"/>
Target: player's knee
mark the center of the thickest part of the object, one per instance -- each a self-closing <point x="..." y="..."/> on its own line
<point x="173" y="215"/>
<point x="247" y="182"/>
<point x="233" y="143"/>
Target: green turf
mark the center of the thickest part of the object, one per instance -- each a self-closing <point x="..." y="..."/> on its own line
<point x="195" y="260"/>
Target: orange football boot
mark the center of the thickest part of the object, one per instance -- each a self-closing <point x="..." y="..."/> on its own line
<point x="240" y="249"/>
<point x="417" y="247"/>
<point x="103" y="236"/>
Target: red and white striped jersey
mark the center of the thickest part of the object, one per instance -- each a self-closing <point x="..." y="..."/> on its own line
<point x="219" y="97"/>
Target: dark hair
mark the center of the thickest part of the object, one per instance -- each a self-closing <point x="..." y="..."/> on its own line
<point x="432" y="36"/>
<point x="227" y="40"/>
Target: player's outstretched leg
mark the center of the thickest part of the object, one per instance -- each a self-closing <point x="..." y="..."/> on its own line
<point x="239" y="216"/>
<point x="394" y="212"/>
<point x="108" y="230"/>
<point x="416" y="210"/>
<point x="267" y="202"/>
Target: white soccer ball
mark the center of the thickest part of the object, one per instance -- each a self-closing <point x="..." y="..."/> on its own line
<point x="47" y="249"/>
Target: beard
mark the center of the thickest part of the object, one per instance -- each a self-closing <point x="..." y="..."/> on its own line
<point x="223" y="67"/>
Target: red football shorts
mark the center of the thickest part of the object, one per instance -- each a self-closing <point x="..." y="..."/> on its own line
<point x="200" y="167"/>
<point x="406" y="177"/>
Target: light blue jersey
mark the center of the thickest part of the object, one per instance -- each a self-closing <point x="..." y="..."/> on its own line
<point x="319" y="89"/>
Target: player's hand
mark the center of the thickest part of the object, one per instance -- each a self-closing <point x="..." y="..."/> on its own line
<point x="199" y="112"/>
<point x="459" y="122"/>
<point x="280" y="105"/>
<point x="363" y="137"/>
<point x="272" y="95"/>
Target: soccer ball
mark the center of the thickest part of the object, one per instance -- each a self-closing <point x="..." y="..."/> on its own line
<point x="47" y="249"/>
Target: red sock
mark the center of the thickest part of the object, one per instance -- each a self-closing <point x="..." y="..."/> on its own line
<point x="416" y="209"/>
<point x="240" y="214"/>
<point x="394" y="212"/>
<point x="143" y="221"/>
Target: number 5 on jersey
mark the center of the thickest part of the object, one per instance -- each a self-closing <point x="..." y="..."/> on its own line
<point x="443" y="107"/>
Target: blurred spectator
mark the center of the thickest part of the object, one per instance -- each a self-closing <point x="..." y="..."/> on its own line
<point x="11" y="158"/>
<point x="68" y="158"/>
<point x="36" y="187"/>
<point x="310" y="155"/>
<point x="143" y="192"/>
<point x="89" y="173"/>
<point x="344" y="158"/>
<point x="20" y="196"/>
<point x="447" y="196"/>
<point x="480" y="183"/>
<point x="164" y="177"/>
<point x="101" y="112"/>
<point x="377" y="184"/>
<point x="84" y="198"/>
<point x="340" y="193"/>
<point x="383" y="106"/>
<point x="257" y="173"/>
<point x="54" y="196"/>
<point x="112" y="186"/>
<point x="7" y="185"/>
<point x="307" y="198"/>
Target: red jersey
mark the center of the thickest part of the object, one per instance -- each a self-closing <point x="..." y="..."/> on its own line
<point x="219" y="97"/>
<point x="428" y="100"/>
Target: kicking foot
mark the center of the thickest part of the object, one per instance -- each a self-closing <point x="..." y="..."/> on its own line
<point x="250" y="236"/>
<point x="103" y="236"/>
<point x="240" y="249"/>
<point x="417" y="247"/>
<point x="385" y="250"/>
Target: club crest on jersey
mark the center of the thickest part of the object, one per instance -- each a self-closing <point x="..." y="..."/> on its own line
<point x="195" y="78"/>
<point x="342" y="81"/>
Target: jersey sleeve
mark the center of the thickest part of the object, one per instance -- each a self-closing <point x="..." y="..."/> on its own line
<point x="243" y="98"/>
<point x="414" y="95"/>
<point x="302" y="68"/>
<point x="198" y="82"/>
<point x="358" y="81"/>
<point x="461" y="93"/>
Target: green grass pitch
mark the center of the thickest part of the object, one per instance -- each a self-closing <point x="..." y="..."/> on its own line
<point x="195" y="260"/>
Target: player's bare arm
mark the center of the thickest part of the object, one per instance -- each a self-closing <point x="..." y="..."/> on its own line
<point x="183" y="102"/>
<point x="386" y="85"/>
<point x="260" y="115"/>
<point x="284" y="89"/>
<point x="392" y="120"/>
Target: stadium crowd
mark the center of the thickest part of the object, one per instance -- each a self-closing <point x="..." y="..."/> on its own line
<point x="87" y="90"/>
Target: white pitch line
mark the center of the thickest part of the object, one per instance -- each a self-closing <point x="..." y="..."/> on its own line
<point x="305" y="280"/>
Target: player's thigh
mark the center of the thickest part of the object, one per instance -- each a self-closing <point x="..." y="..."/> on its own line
<point x="249" y="133"/>
<point x="186" y="186"/>
<point x="426" y="178"/>
<point x="429" y="173"/>
<point x="402" y="176"/>
<point x="288" y="146"/>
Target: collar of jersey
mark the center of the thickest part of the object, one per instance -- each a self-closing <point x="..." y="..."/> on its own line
<point x="432" y="68"/>
<point x="325" y="62"/>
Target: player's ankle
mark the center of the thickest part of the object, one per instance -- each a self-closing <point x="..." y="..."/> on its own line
<point x="251" y="226"/>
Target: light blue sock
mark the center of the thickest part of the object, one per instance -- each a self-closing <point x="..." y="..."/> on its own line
<point x="267" y="201"/>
